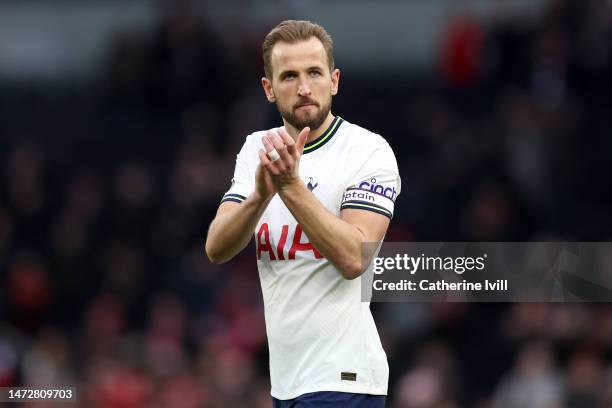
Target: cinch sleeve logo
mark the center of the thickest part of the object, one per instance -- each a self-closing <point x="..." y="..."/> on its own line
<point x="371" y="185"/>
<point x="370" y="196"/>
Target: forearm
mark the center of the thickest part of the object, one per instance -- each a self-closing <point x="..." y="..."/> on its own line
<point x="230" y="232"/>
<point x="336" y="239"/>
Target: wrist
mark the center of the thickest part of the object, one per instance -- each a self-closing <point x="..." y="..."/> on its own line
<point x="291" y="185"/>
<point x="261" y="200"/>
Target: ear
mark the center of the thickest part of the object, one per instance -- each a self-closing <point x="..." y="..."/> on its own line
<point x="335" y="78"/>
<point x="267" y="86"/>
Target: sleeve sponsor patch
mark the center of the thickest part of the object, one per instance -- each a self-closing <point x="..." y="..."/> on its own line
<point x="370" y="196"/>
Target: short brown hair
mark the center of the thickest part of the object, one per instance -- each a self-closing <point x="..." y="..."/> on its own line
<point x="292" y="31"/>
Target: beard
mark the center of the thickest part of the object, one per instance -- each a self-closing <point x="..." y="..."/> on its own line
<point x="300" y="122"/>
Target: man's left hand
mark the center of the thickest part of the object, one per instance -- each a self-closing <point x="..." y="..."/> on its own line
<point x="285" y="170"/>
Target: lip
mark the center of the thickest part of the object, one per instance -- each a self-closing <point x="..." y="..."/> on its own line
<point x="306" y="106"/>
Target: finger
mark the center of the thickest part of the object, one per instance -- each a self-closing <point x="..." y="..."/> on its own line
<point x="281" y="148"/>
<point x="276" y="140"/>
<point x="301" y="139"/>
<point x="289" y="142"/>
<point x="273" y="142"/>
<point x="263" y="158"/>
<point x="260" y="172"/>
<point x="267" y="143"/>
<point x="266" y="162"/>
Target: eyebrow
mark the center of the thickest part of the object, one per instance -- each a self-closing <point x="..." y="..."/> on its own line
<point x="287" y="72"/>
<point x="292" y="71"/>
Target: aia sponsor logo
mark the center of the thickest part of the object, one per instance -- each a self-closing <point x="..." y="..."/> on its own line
<point x="283" y="250"/>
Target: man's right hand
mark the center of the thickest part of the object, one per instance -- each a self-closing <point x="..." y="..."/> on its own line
<point x="235" y="223"/>
<point x="263" y="183"/>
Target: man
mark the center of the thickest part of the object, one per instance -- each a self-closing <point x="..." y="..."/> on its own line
<point x="312" y="191"/>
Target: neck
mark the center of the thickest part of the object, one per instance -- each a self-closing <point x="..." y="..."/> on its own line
<point x="314" y="133"/>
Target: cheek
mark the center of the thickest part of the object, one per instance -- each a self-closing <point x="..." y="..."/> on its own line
<point x="325" y="86"/>
<point x="282" y="92"/>
<point x="326" y="92"/>
<point x="283" y="99"/>
<point x="320" y="92"/>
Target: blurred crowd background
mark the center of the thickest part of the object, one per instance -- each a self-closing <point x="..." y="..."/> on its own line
<point x="109" y="178"/>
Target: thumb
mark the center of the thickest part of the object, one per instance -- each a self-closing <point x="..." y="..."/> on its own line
<point x="301" y="139"/>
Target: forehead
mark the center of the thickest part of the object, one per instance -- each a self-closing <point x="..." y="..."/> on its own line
<point x="300" y="55"/>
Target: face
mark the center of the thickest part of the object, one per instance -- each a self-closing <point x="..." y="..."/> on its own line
<point x="302" y="85"/>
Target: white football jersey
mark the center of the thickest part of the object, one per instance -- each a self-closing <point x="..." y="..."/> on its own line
<point x="322" y="337"/>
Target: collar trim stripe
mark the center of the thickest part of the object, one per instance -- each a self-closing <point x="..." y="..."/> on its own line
<point x="321" y="140"/>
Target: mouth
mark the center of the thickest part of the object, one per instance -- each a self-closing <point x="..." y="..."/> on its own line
<point x="306" y="105"/>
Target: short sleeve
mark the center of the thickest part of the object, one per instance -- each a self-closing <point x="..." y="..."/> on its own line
<point x="242" y="182"/>
<point x="375" y="185"/>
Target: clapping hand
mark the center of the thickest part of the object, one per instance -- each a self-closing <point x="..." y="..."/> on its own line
<point x="281" y="156"/>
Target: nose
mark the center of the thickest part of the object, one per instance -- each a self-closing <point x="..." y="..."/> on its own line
<point x="304" y="89"/>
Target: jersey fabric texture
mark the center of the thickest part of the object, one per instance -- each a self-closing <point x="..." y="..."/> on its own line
<point x="321" y="336"/>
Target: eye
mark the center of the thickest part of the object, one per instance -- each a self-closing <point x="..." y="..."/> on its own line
<point x="288" y="76"/>
<point x="315" y="73"/>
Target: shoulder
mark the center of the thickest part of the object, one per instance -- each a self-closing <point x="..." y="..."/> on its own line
<point x="253" y="141"/>
<point x="362" y="140"/>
